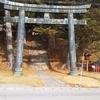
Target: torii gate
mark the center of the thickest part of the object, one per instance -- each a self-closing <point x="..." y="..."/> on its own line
<point x="46" y="20"/>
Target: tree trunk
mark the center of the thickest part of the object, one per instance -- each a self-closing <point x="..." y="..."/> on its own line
<point x="9" y="41"/>
<point x="51" y="41"/>
<point x="67" y="62"/>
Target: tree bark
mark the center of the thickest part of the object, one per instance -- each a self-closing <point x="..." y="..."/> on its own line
<point x="10" y="52"/>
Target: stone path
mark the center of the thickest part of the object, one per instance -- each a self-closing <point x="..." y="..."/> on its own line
<point x="38" y="55"/>
<point x="49" y="80"/>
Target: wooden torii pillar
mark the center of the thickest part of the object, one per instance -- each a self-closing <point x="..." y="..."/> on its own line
<point x="46" y="9"/>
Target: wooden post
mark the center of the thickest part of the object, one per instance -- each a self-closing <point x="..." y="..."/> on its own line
<point x="87" y="63"/>
<point x="87" y="57"/>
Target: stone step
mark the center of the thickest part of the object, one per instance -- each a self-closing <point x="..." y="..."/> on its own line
<point x="38" y="66"/>
<point x="38" y="55"/>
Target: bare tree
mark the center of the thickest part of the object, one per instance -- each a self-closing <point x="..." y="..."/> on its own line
<point x="9" y="41"/>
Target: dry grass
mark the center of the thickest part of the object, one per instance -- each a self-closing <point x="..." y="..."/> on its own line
<point x="6" y="77"/>
<point x="88" y="79"/>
